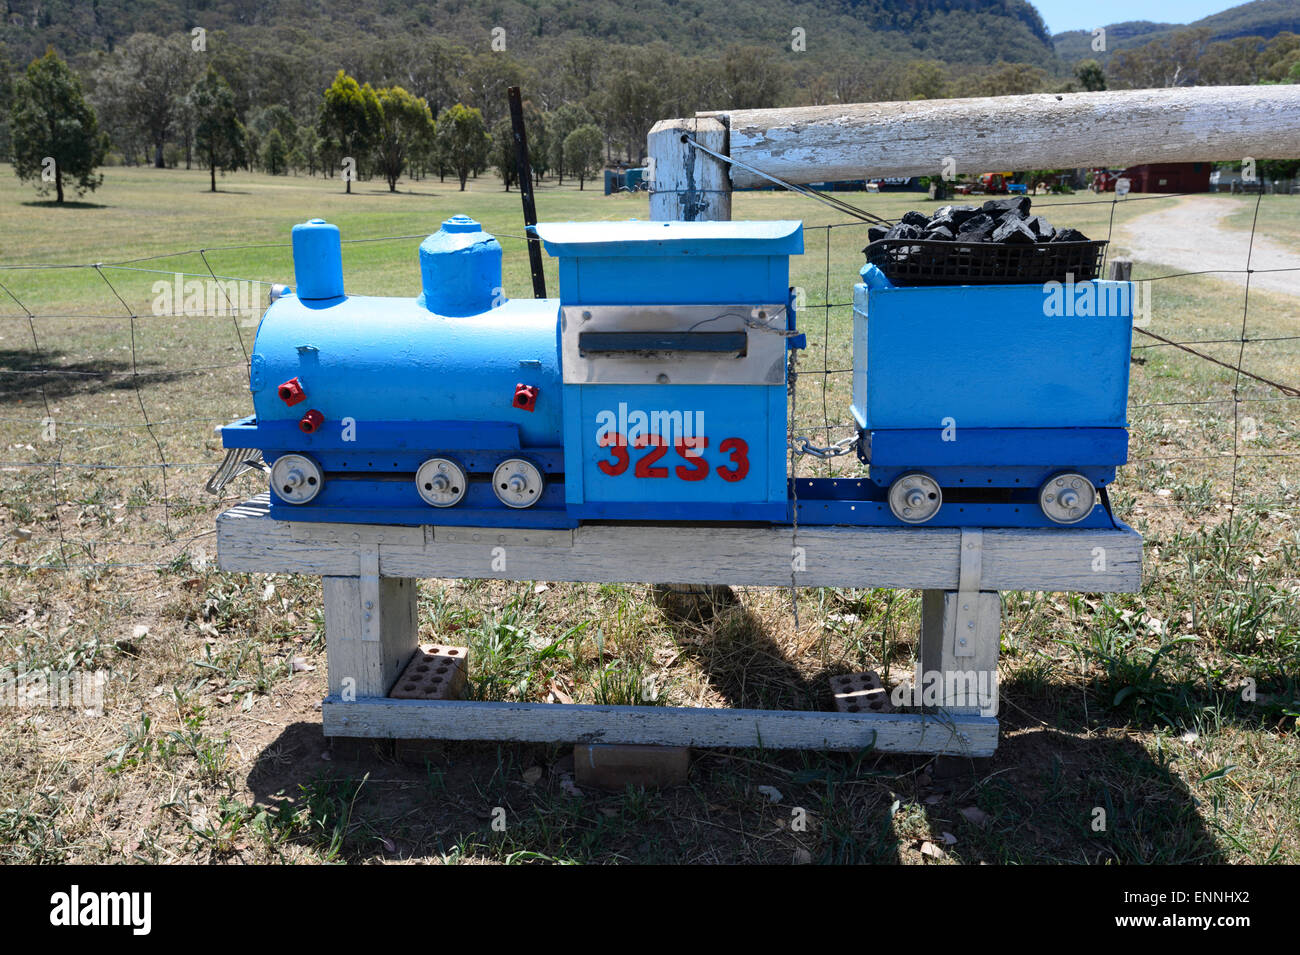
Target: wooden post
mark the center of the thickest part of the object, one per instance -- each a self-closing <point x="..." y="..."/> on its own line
<point x="371" y="631"/>
<point x="960" y="648"/>
<point x="1039" y="131"/>
<point x="1121" y="270"/>
<point x="686" y="184"/>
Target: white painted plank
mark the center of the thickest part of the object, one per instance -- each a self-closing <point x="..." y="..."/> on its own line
<point x="1039" y="131"/>
<point x="962" y="735"/>
<point x="1094" y="561"/>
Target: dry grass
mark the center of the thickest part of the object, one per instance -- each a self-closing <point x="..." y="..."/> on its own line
<point x="209" y="748"/>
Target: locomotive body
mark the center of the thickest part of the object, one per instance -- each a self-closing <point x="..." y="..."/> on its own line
<point x="655" y="388"/>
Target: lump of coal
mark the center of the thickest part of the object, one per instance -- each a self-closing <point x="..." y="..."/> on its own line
<point x="1016" y="205"/>
<point x="1069" y="235"/>
<point x="917" y="219"/>
<point x="941" y="232"/>
<point x="1014" y="231"/>
<point x="877" y="232"/>
<point x="977" y="228"/>
<point x="903" y="231"/>
<point x="1041" y="228"/>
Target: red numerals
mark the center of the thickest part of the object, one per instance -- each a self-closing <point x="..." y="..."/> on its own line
<point x="658" y="449"/>
<point x="618" y="448"/>
<point x="690" y="450"/>
<point x="739" y="451"/>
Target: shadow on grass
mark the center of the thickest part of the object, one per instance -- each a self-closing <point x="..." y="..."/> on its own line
<point x="25" y="376"/>
<point x="66" y="204"/>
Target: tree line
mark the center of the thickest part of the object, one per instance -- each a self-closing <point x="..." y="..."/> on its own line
<point x="422" y="107"/>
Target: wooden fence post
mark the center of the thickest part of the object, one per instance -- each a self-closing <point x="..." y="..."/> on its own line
<point x="688" y="185"/>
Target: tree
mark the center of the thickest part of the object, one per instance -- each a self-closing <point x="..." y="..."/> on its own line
<point x="503" y="152"/>
<point x="751" y="78"/>
<point x="141" y="87"/>
<point x="583" y="151"/>
<point x="925" y="79"/>
<point x="463" y="140"/>
<point x="560" y="123"/>
<point x="56" y="136"/>
<point x="1090" y="75"/>
<point x="404" y="123"/>
<point x="350" y="121"/>
<point x="275" y="153"/>
<point x="219" y="136"/>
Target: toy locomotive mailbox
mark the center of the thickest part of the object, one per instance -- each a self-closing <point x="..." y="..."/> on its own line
<point x="655" y="388"/>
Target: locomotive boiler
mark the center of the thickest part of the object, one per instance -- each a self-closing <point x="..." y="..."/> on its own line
<point x="656" y="388"/>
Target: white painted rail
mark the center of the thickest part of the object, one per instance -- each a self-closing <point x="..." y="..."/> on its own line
<point x="1040" y="131"/>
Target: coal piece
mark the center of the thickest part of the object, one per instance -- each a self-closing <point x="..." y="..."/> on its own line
<point x="917" y="219"/>
<point x="1014" y="231"/>
<point x="877" y="232"/>
<point x="977" y="228"/>
<point x="903" y="231"/>
<point x="1069" y="235"/>
<point x="1019" y="205"/>
<point x="958" y="214"/>
<point x="1041" y="228"/>
<point x="942" y="232"/>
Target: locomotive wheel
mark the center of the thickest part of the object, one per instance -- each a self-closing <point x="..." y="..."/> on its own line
<point x="517" y="483"/>
<point x="1067" y="498"/>
<point x="915" y="497"/>
<point x="441" y="482"/>
<point x="296" y="478"/>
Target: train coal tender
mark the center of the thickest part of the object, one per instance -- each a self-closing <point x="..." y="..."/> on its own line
<point x="656" y="387"/>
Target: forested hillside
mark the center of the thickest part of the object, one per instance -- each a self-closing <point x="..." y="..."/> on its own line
<point x="1262" y="18"/>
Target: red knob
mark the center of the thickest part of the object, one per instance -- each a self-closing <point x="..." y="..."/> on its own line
<point x="525" y="397"/>
<point x="291" y="392"/>
<point x="311" y="421"/>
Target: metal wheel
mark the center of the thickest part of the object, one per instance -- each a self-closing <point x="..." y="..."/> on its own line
<point x="1067" y="498"/>
<point x="441" y="482"/>
<point x="296" y="478"/>
<point x="517" y="483"/>
<point x="915" y="497"/>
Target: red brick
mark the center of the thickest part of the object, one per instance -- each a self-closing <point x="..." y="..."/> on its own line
<point x="434" y="673"/>
<point x="860" y="693"/>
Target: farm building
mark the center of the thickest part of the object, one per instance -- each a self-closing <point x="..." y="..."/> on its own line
<point x="1170" y="177"/>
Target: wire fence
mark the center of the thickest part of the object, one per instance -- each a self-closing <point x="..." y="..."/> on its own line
<point x="109" y="400"/>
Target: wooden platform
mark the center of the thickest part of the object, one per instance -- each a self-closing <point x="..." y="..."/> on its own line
<point x="905" y="557"/>
<point x="370" y="575"/>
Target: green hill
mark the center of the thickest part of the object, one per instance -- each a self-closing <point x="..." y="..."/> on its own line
<point x="1263" y="18"/>
<point x="956" y="31"/>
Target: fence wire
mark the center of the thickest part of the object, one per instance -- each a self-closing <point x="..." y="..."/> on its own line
<point x="108" y="414"/>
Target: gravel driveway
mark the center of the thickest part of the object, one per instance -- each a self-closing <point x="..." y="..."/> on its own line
<point x="1191" y="237"/>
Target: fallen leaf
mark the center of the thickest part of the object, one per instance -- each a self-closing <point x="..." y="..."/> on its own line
<point x="139" y="630"/>
<point x="532" y="774"/>
<point x="947" y="838"/>
<point x="300" y="665"/>
<point x="541" y="588"/>
<point x="772" y="793"/>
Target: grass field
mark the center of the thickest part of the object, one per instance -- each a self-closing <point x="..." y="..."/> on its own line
<point x="209" y="748"/>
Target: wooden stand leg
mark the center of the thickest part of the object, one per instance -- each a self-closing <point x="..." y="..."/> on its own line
<point x="960" y="635"/>
<point x="370" y="633"/>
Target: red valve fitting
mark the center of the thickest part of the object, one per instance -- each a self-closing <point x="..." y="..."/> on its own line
<point x="291" y="392"/>
<point x="525" y="397"/>
<point x="311" y="421"/>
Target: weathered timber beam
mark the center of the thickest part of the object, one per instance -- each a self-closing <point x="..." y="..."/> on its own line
<point x="1040" y="131"/>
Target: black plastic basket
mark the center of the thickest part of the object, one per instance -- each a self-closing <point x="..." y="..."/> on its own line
<point x="947" y="262"/>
